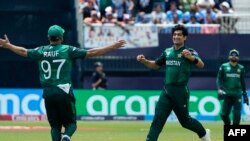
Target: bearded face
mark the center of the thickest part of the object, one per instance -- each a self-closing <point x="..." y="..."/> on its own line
<point x="233" y="58"/>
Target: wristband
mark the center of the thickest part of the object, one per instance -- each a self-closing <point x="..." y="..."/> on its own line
<point x="195" y="61"/>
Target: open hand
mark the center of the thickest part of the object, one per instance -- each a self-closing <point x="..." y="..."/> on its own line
<point x="4" y="42"/>
<point x="119" y="44"/>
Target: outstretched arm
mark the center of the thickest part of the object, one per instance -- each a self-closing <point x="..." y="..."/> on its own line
<point x="5" y="43"/>
<point x="103" y="50"/>
<point x="148" y="63"/>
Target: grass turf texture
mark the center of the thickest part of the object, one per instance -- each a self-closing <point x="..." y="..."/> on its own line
<point x="108" y="131"/>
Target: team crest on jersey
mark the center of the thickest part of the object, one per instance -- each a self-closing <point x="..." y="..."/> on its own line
<point x="238" y="70"/>
<point x="179" y="55"/>
<point x="228" y="68"/>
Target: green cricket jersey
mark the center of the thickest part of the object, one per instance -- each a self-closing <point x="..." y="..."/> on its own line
<point x="231" y="78"/>
<point x="55" y="63"/>
<point x="178" y="68"/>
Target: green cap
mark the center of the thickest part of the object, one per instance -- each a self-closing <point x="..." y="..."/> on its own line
<point x="55" y="31"/>
<point x="234" y="52"/>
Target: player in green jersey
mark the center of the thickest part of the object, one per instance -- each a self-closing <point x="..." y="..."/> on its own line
<point x="55" y="64"/>
<point x="178" y="61"/>
<point x="231" y="87"/>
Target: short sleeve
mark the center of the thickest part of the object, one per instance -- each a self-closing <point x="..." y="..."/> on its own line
<point x="34" y="53"/>
<point x="160" y="61"/>
<point x="75" y="52"/>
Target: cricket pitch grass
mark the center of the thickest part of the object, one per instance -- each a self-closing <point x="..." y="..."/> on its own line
<point x="104" y="131"/>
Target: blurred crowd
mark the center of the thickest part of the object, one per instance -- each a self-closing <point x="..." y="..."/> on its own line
<point x="154" y="11"/>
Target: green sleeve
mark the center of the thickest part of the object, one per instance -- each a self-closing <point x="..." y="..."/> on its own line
<point x="161" y="60"/>
<point x="242" y="80"/>
<point x="34" y="53"/>
<point x="219" y="79"/>
<point x="75" y="52"/>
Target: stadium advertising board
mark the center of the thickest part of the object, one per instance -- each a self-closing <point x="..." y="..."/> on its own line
<point x="21" y="102"/>
<point x="112" y="104"/>
<point x="204" y="105"/>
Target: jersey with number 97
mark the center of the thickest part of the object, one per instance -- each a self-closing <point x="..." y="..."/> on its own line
<point x="55" y="63"/>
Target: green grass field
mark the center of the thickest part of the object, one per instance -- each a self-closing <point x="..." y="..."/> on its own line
<point x="108" y="131"/>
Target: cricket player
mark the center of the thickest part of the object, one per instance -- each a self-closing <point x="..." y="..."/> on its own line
<point x="55" y="64"/>
<point x="178" y="61"/>
<point x="231" y="87"/>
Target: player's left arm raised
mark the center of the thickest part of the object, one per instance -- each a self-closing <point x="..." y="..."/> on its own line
<point x="194" y="59"/>
<point x="5" y="43"/>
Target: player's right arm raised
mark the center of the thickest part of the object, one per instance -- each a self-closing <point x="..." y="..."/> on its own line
<point x="148" y="63"/>
<point x="5" y="43"/>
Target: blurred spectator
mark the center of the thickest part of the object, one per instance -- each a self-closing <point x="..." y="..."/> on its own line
<point x="143" y="18"/>
<point x="203" y="4"/>
<point x="131" y="6"/>
<point x="174" y="14"/>
<point x="218" y="2"/>
<point x="144" y="6"/>
<point x="161" y="3"/>
<point x="193" y="26"/>
<point x="86" y="10"/>
<point x="127" y="20"/>
<point x="103" y="4"/>
<point x="168" y="4"/>
<point x="186" y="4"/>
<point x="93" y="19"/>
<point x="208" y="12"/>
<point x="226" y="18"/>
<point x="209" y="27"/>
<point x="176" y="20"/>
<point x="144" y="9"/>
<point x="157" y="15"/>
<point x="99" y="80"/>
<point x="225" y="8"/>
<point x="122" y="7"/>
<point x="192" y="12"/>
<point x="109" y="18"/>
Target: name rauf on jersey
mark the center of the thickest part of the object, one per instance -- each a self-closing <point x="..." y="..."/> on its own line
<point x="50" y="54"/>
<point x="173" y="63"/>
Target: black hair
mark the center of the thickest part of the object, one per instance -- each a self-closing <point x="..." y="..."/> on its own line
<point x="97" y="64"/>
<point x="54" y="38"/>
<point x="180" y="27"/>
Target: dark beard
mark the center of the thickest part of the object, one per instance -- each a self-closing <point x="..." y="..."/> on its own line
<point x="234" y="60"/>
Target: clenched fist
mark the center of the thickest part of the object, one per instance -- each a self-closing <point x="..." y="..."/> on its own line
<point x="141" y="58"/>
